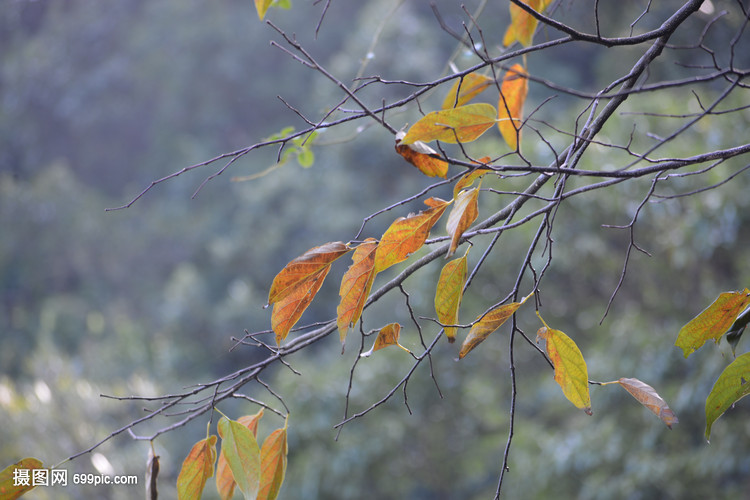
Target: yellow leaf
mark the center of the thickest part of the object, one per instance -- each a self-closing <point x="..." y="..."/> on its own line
<point x="273" y="459"/>
<point x="713" y="322"/>
<point x="407" y="235"/>
<point x="10" y="489"/>
<point x="468" y="178"/>
<point x="225" y="483"/>
<point x="355" y="286"/>
<point x="510" y="105"/>
<point x="647" y="396"/>
<point x="462" y="124"/>
<point x="523" y="24"/>
<point x="287" y="311"/>
<point x="731" y="386"/>
<point x="303" y="268"/>
<point x="196" y="469"/>
<point x="262" y="6"/>
<point x="471" y="86"/>
<point x="387" y="336"/>
<point x="464" y="212"/>
<point x="450" y="289"/>
<point x="570" y="367"/>
<point x="487" y="324"/>
<point x="420" y="154"/>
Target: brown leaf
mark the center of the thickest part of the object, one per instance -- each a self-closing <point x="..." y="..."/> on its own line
<point x="463" y="214"/>
<point x="287" y="311"/>
<point x="355" y="286"/>
<point x="510" y="105"/>
<point x="303" y="268"/>
<point x="407" y="235"/>
<point x="647" y="396"/>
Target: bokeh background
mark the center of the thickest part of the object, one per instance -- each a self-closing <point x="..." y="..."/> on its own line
<point x="100" y="98"/>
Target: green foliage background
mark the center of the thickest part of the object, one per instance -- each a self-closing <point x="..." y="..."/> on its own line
<point x="98" y="99"/>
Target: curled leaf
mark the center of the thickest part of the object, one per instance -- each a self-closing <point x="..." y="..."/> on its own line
<point x="510" y="104"/>
<point x="355" y="286"/>
<point x="468" y="178"/>
<point x="647" y="396"/>
<point x="461" y="124"/>
<point x="422" y="156"/>
<point x="570" y="367"/>
<point x="465" y="89"/>
<point x="487" y="324"/>
<point x="464" y="212"/>
<point x="387" y="336"/>
<point x="713" y="322"/>
<point x="731" y="386"/>
<point x="407" y="235"/>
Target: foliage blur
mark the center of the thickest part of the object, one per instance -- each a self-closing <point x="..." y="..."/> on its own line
<point x="99" y="99"/>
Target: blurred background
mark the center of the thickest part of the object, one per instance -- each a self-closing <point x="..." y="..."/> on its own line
<point x="100" y="98"/>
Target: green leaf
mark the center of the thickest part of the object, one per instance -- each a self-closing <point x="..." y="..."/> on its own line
<point x="731" y="386"/>
<point x="713" y="322"/>
<point x="241" y="450"/>
<point x="461" y="124"/>
<point x="448" y="294"/>
<point x="8" y="488"/>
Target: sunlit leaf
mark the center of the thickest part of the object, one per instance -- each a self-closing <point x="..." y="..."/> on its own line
<point x="731" y="386"/>
<point x="407" y="235"/>
<point x="468" y="178"/>
<point x="523" y="24"/>
<point x="8" y="488"/>
<point x="273" y="458"/>
<point x="471" y="86"/>
<point x="196" y="469"/>
<point x="487" y="324"/>
<point x="510" y="104"/>
<point x="303" y="268"/>
<point x="713" y="322"/>
<point x="355" y="286"/>
<point x="450" y="289"/>
<point x="421" y="155"/>
<point x="242" y="453"/>
<point x="225" y="483"/>
<point x="287" y="311"/>
<point x="463" y="213"/>
<point x="647" y="396"/>
<point x="462" y="124"/>
<point x="570" y="367"/>
<point x="387" y="336"/>
<point x="262" y="6"/>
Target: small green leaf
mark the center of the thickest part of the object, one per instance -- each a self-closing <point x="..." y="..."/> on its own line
<point x="731" y="386"/>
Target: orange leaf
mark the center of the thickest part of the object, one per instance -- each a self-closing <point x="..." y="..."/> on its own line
<point x="224" y="478"/>
<point x="647" y="396"/>
<point x="196" y="469"/>
<point x="407" y="235"/>
<point x="468" y="178"/>
<point x="510" y="105"/>
<point x="462" y="215"/>
<point x="462" y="124"/>
<point x="450" y="289"/>
<point x="273" y="460"/>
<point x="570" y="367"/>
<point x="287" y="311"/>
<point x="713" y="322"/>
<point x="355" y="286"/>
<point x="420" y="155"/>
<point x="487" y="324"/>
<point x="10" y="489"/>
<point x="471" y="86"/>
<point x="523" y="24"/>
<point x="303" y="268"/>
